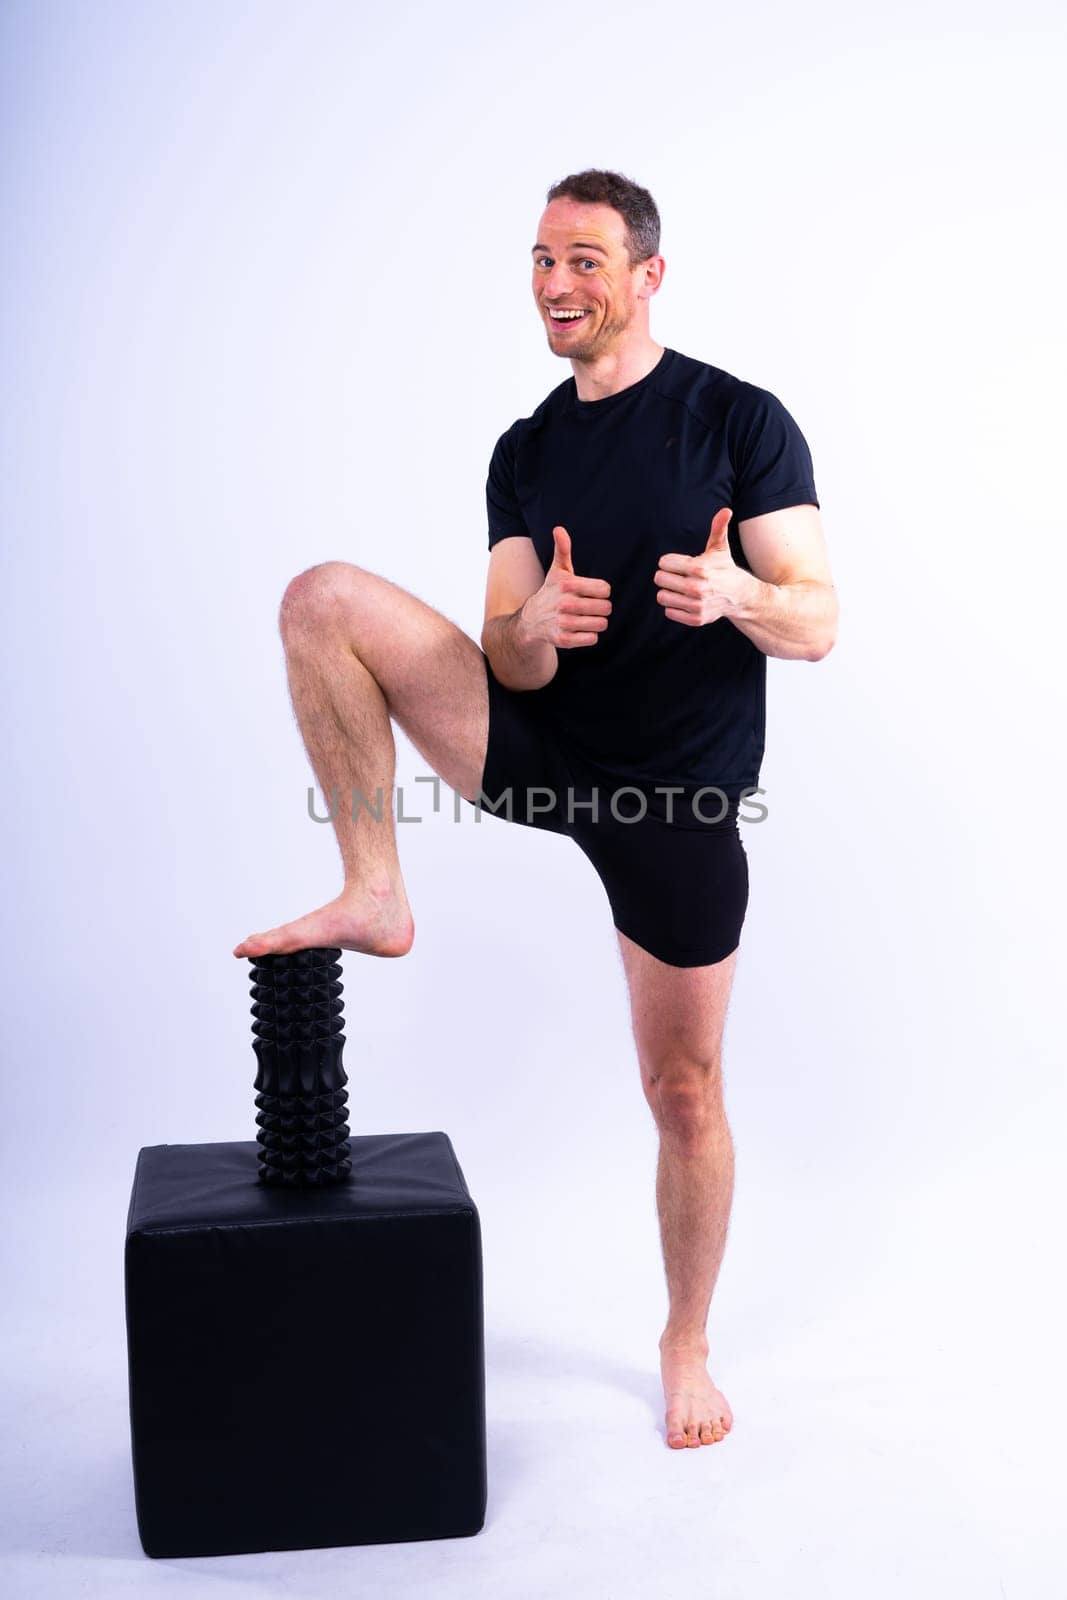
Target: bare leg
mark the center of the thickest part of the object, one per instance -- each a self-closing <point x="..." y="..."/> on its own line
<point x="694" y="1191"/>
<point x="678" y="1016"/>
<point x="357" y="648"/>
<point x="349" y="738"/>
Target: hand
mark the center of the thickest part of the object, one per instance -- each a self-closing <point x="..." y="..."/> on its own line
<point x="699" y="589"/>
<point x="567" y="610"/>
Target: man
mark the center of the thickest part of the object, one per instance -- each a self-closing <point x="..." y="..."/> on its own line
<point x="654" y="536"/>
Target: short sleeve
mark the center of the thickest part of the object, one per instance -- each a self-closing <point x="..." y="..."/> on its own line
<point x="501" y="502"/>
<point x="770" y="456"/>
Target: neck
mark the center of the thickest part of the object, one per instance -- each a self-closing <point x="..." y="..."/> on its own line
<point x="616" y="369"/>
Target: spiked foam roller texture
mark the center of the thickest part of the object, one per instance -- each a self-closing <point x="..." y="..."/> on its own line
<point x="299" y="1037"/>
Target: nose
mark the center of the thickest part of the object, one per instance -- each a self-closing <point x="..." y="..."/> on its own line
<point x="558" y="282"/>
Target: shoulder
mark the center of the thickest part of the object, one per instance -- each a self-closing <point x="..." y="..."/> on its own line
<point x="754" y="408"/>
<point x="720" y="399"/>
<point x="523" y="428"/>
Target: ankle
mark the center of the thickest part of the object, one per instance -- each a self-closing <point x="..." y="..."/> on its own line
<point x="375" y="884"/>
<point x="680" y="1337"/>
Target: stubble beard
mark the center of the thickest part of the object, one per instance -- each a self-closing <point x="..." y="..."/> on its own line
<point x="599" y="342"/>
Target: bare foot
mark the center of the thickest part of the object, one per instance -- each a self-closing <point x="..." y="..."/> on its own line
<point x="697" y="1412"/>
<point x="374" y="920"/>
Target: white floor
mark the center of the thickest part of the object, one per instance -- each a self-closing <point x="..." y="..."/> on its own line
<point x="888" y="1366"/>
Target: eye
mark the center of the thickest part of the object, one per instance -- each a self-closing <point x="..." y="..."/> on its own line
<point x="585" y="261"/>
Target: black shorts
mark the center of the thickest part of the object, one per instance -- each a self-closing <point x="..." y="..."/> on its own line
<point x="679" y="891"/>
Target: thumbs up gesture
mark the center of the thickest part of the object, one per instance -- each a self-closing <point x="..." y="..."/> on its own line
<point x="568" y="611"/>
<point x="703" y="588"/>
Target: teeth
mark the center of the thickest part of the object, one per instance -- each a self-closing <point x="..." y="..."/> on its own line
<point x="565" y="316"/>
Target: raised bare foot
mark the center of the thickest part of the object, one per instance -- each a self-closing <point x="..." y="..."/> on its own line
<point x="697" y="1412"/>
<point x="374" y="920"/>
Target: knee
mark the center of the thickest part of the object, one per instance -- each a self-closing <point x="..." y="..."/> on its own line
<point x="686" y="1097"/>
<point x="318" y="588"/>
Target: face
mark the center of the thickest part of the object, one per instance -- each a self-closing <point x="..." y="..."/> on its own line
<point x="580" y="263"/>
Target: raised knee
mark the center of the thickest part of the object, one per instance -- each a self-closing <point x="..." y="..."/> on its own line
<point x="313" y="589"/>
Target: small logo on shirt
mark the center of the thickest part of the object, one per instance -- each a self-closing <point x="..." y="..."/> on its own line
<point x="670" y="441"/>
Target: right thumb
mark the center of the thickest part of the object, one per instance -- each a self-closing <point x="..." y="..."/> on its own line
<point x="562" y="557"/>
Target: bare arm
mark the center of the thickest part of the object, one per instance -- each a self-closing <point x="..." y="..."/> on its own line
<point x="518" y="660"/>
<point x="530" y="615"/>
<point x="787" y="604"/>
<point x="796" y="621"/>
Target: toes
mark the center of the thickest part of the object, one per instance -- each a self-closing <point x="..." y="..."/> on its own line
<point x="676" y="1429"/>
<point x="686" y="1432"/>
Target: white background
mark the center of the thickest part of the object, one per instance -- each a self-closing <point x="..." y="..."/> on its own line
<point x="265" y="303"/>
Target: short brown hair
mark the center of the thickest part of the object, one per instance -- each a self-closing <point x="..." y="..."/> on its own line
<point x="634" y="204"/>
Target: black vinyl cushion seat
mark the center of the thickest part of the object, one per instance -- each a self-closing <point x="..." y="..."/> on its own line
<point x="306" y="1365"/>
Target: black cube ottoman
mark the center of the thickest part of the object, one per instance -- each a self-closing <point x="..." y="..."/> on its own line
<point x="306" y="1365"/>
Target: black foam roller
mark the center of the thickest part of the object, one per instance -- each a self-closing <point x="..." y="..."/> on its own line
<point x="299" y="1039"/>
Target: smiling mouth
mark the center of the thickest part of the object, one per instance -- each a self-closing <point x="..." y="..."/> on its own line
<point x="567" y="322"/>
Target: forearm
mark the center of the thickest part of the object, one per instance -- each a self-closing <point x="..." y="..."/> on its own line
<point x="797" y="621"/>
<point x="518" y="662"/>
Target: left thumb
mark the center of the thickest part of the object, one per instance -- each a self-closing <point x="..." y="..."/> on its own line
<point x="720" y="522"/>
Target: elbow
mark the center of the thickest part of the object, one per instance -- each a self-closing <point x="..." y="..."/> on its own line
<point x="824" y="642"/>
<point x="821" y="647"/>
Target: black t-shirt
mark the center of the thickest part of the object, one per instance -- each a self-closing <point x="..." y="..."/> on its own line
<point x="634" y="476"/>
